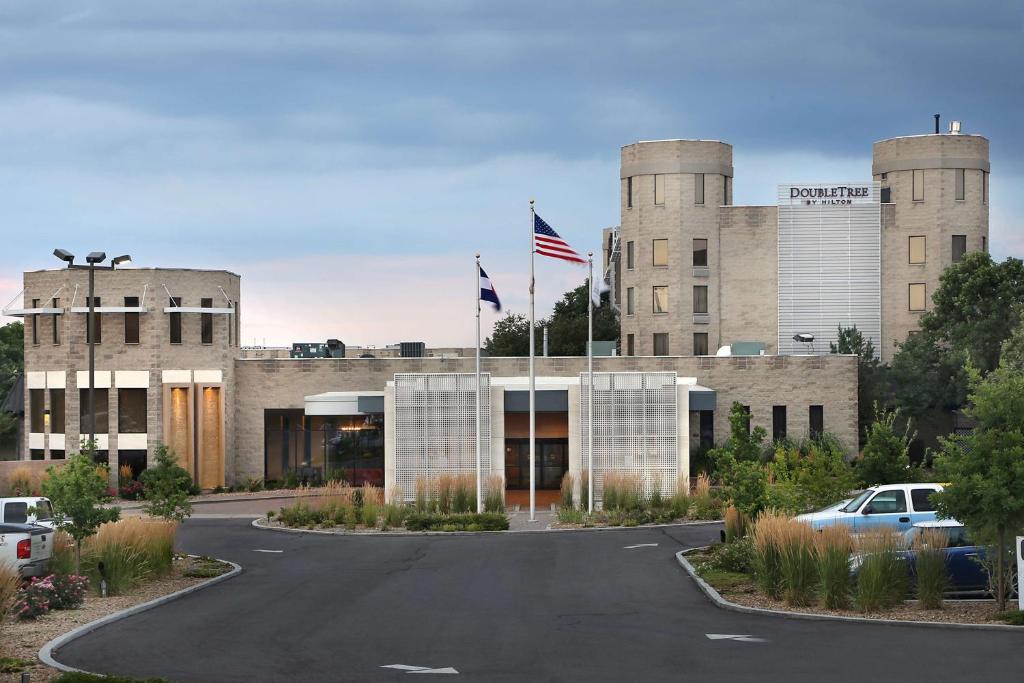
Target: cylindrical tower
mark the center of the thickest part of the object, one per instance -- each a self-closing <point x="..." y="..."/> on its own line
<point x="934" y="210"/>
<point x="671" y="191"/>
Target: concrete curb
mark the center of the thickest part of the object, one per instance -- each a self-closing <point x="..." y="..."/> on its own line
<point x="257" y="523"/>
<point x="722" y="603"/>
<point x="48" y="653"/>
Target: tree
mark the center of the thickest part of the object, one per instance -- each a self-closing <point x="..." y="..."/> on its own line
<point x="885" y="458"/>
<point x="738" y="463"/>
<point x="77" y="492"/>
<point x="852" y="341"/>
<point x="166" y="487"/>
<point x="12" y="363"/>
<point x="985" y="469"/>
<point x="1013" y="349"/>
<point x="510" y="336"/>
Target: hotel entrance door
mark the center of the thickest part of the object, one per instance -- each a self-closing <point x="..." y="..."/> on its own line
<point x="552" y="461"/>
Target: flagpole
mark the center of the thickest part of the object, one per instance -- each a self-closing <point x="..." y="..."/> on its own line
<point x="479" y="498"/>
<point x="590" y="383"/>
<point x="533" y="469"/>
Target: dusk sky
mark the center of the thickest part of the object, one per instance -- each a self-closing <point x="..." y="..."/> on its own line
<point x="348" y="158"/>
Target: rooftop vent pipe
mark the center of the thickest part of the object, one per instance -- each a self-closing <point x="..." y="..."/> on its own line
<point x="936" y="124"/>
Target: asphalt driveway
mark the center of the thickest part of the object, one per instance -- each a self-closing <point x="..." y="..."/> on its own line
<point x="605" y="605"/>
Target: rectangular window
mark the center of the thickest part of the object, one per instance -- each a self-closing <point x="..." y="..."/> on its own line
<point x="630" y="301"/>
<point x="700" y="299"/>
<point x="886" y="197"/>
<point x="37" y="409"/>
<point x="918" y="249"/>
<point x="629" y="192"/>
<point x="56" y="411"/>
<point x="778" y="423"/>
<point x="746" y="412"/>
<point x="817" y="420"/>
<point x="700" y="253"/>
<point x="56" y="322"/>
<point x="960" y="183"/>
<point x="231" y="306"/>
<point x="659" y="189"/>
<point x="90" y="319"/>
<point x="700" y="343"/>
<point x="660" y="299"/>
<point x="630" y="345"/>
<point x="238" y="324"/>
<point x="918" y="296"/>
<point x="660" y="343"/>
<point x="659" y="251"/>
<point x="959" y="247"/>
<point x="921" y="500"/>
<point x="56" y="455"/>
<point x="726" y="190"/>
<point x="629" y="256"/>
<point x="131" y="411"/>
<point x="984" y="244"/>
<point x="102" y="411"/>
<point x="984" y="187"/>
<point x="206" y="321"/>
<point x="131" y="321"/>
<point x="35" y="323"/>
<point x="698" y="188"/>
<point x="918" y="186"/>
<point x="174" y="320"/>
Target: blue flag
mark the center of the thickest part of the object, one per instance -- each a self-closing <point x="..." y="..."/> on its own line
<point x="487" y="292"/>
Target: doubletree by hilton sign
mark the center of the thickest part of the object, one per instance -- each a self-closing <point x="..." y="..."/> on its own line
<point x="826" y="195"/>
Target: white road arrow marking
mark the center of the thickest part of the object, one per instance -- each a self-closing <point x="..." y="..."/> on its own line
<point x="404" y="667"/>
<point x="262" y="550"/>
<point x="639" y="545"/>
<point x="741" y="638"/>
<point x="410" y="669"/>
<point x="446" y="670"/>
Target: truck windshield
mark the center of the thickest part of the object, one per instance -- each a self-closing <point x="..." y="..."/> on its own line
<point x="858" y="501"/>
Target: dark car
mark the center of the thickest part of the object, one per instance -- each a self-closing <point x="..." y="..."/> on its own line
<point x="967" y="576"/>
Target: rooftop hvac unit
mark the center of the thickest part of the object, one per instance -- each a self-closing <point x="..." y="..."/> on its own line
<point x="335" y="349"/>
<point x="954" y="128"/>
<point x="412" y="349"/>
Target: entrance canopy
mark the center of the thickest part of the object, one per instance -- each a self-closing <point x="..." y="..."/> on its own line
<point x="345" y="403"/>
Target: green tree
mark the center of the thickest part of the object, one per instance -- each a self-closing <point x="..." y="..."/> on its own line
<point x="738" y="463"/>
<point x="510" y="336"/>
<point x="885" y="458"/>
<point x="810" y="475"/>
<point x="985" y="469"/>
<point x="166" y="487"/>
<point x="77" y="492"/>
<point x="12" y="364"/>
<point x="870" y="381"/>
<point x="1013" y="349"/>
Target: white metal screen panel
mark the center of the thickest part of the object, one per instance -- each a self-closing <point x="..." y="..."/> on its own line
<point x="829" y="263"/>
<point x="435" y="427"/>
<point x="635" y="427"/>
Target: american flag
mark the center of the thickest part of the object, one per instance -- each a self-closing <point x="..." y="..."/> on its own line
<point x="546" y="242"/>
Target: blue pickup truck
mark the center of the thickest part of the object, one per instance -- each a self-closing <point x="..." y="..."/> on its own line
<point x="899" y="506"/>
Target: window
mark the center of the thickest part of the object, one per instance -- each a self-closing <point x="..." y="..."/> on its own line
<point x="960" y="184"/>
<point x="629" y="256"/>
<point x="959" y="247"/>
<point x="698" y="188"/>
<point x="726" y="189"/>
<point x="700" y="253"/>
<point x="56" y="411"/>
<point x="238" y="324"/>
<point x="659" y="189"/>
<point x="746" y="418"/>
<point x="918" y="186"/>
<point x="102" y="411"/>
<point x="700" y="299"/>
<point x="984" y="244"/>
<point x="131" y="411"/>
<point x="37" y="410"/>
<point x="817" y="420"/>
<point x="90" y="319"/>
<point x="629" y="193"/>
<point x="131" y="321"/>
<point x="660" y="299"/>
<point x="984" y="187"/>
<point x="700" y="343"/>
<point x="630" y="345"/>
<point x="920" y="498"/>
<point x="206" y="321"/>
<point x="888" y="502"/>
<point x="778" y="423"/>
<point x="37" y="454"/>
<point x="35" y="323"/>
<point x="660" y="343"/>
<point x="918" y="249"/>
<point x="56" y="455"/>
<point x="630" y="300"/>
<point x="56" y="322"/>
<point x="16" y="513"/>
<point x="231" y="306"/>
<point x="918" y="296"/>
<point x="659" y="251"/>
<point x="886" y="197"/>
<point x="174" y="320"/>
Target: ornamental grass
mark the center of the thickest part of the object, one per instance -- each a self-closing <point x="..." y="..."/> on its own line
<point x="622" y="491"/>
<point x="680" y="501"/>
<point x="735" y="524"/>
<point x="768" y="534"/>
<point x="585" y="490"/>
<point x="832" y="548"/>
<point x="21" y="481"/>
<point x="882" y="577"/>
<point x="568" y="482"/>
<point x="494" y="497"/>
<point x="930" y="568"/>
<point x="799" y="570"/>
<point x="9" y="582"/>
<point x="130" y="550"/>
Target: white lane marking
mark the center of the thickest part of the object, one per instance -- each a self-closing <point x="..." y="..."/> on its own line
<point x="741" y="638"/>
<point x="263" y="550"/>
<point x="410" y="669"/>
<point x="639" y="545"/>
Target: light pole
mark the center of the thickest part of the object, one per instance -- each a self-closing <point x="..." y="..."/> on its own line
<point x="92" y="259"/>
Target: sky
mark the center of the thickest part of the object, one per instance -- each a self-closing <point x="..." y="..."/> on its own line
<point x="348" y="158"/>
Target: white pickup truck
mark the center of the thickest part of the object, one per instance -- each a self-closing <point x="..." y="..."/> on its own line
<point x="27" y="547"/>
<point x="26" y="510"/>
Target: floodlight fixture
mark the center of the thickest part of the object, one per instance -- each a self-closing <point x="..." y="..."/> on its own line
<point x="64" y="255"/>
<point x="803" y="337"/>
<point x="118" y="260"/>
<point x="96" y="257"/>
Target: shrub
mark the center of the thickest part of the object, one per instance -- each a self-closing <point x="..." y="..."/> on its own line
<point x="394" y="515"/>
<point x="466" y="521"/>
<point x="494" y="499"/>
<point x="371" y="496"/>
<point x="832" y="547"/>
<point x="737" y="556"/>
<point x="167" y="487"/>
<point x="657" y="499"/>
<point x="34" y="599"/>
<point x="930" y="567"/>
<point x="130" y="550"/>
<point x="767" y="535"/>
<point x="68" y="590"/>
<point x="735" y="524"/>
<point x="882" y="578"/>
<point x="679" y="503"/>
<point x="622" y="491"/>
<point x="124" y="475"/>
<point x="254" y="484"/>
<point x="131" y="490"/>
<point x="566" y="491"/>
<point x="81" y="677"/>
<point x="291" y="480"/>
<point x="571" y="515"/>
<point x="1013" y="617"/>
